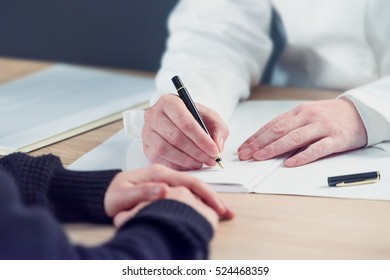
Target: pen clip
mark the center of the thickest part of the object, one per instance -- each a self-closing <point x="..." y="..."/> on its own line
<point x="364" y="182"/>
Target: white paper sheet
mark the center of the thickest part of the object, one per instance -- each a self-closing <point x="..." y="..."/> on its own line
<point x="311" y="179"/>
<point x="261" y="177"/>
<point x="63" y="98"/>
<point x="237" y="176"/>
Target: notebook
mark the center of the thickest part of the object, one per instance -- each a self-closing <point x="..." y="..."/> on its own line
<point x="62" y="101"/>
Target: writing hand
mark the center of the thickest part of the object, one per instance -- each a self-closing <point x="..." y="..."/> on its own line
<point x="172" y="137"/>
<point x="321" y="127"/>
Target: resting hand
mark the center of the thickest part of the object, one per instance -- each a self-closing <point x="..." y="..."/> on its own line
<point x="321" y="127"/>
<point x="181" y="194"/>
<point x="171" y="136"/>
<point x="149" y="184"/>
<point x="124" y="192"/>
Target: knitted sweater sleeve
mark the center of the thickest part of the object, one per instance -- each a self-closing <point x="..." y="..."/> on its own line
<point x="165" y="229"/>
<point x="71" y="195"/>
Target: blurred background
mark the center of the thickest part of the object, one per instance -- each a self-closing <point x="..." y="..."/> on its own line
<point x="118" y="33"/>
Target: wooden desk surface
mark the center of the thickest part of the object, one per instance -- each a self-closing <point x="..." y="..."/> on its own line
<point x="266" y="226"/>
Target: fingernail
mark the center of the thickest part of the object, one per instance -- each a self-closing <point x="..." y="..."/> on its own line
<point x="222" y="207"/>
<point x="259" y="155"/>
<point x="228" y="214"/>
<point x="245" y="154"/>
<point x="290" y="162"/>
<point x="243" y="146"/>
<point x="155" y="191"/>
<point x="220" y="143"/>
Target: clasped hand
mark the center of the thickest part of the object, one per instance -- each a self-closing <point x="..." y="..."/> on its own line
<point x="131" y="191"/>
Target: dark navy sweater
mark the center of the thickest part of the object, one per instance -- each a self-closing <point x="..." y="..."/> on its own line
<point x="37" y="193"/>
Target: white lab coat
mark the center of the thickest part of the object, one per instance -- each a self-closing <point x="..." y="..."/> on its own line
<point x="220" y="49"/>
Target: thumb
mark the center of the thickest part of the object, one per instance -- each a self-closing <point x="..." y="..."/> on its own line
<point x="219" y="137"/>
<point x="219" y="134"/>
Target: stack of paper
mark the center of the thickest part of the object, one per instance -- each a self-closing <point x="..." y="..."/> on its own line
<point x="63" y="101"/>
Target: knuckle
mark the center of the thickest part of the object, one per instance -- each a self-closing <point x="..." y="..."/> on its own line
<point x="148" y="115"/>
<point x="226" y="131"/>
<point x="251" y="140"/>
<point x="301" y="158"/>
<point x="207" y="111"/>
<point x="153" y="159"/>
<point x="254" y="146"/>
<point x="270" y="124"/>
<point x="157" y="168"/>
<point x="148" y="151"/>
<point x="174" y="137"/>
<point x="307" y="109"/>
<point x="144" y="192"/>
<point x="191" y="163"/>
<point x="278" y="128"/>
<point x="164" y="100"/>
<point x="165" y="97"/>
<point x="146" y="134"/>
<point x="318" y="149"/>
<point x="181" y="190"/>
<point x="271" y="150"/>
<point x="160" y="150"/>
<point x="295" y="136"/>
<point x="334" y="130"/>
<point x="185" y="124"/>
<point x="199" y="155"/>
<point x="152" y="113"/>
<point x="146" y="146"/>
<point x="304" y="106"/>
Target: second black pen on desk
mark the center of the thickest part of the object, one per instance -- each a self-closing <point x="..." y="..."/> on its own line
<point x="354" y="179"/>
<point x="185" y="96"/>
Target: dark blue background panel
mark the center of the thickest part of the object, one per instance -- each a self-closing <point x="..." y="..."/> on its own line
<point x="114" y="33"/>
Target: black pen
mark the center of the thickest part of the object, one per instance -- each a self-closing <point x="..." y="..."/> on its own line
<point x="354" y="179"/>
<point x="185" y="96"/>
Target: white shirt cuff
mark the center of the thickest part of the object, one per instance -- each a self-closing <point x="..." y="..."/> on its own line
<point x="377" y="127"/>
<point x="133" y="122"/>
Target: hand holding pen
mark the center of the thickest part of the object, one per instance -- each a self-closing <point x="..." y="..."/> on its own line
<point x="186" y="97"/>
<point x="171" y="135"/>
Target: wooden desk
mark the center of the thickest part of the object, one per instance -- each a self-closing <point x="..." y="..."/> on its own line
<point x="266" y="226"/>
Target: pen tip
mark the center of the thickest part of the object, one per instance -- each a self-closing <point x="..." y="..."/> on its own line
<point x="218" y="159"/>
<point x="220" y="164"/>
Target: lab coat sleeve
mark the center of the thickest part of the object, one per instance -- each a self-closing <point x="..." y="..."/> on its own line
<point x="219" y="49"/>
<point x="373" y="100"/>
<point x="373" y="103"/>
